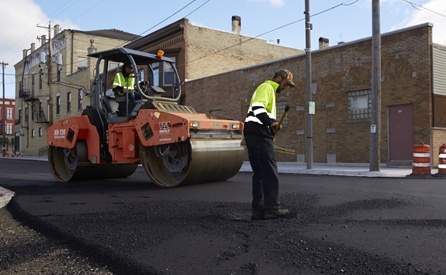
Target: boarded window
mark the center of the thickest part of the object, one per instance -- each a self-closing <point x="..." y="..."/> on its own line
<point x="359" y="105"/>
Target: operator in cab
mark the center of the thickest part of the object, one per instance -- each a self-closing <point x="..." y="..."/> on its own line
<point x="124" y="83"/>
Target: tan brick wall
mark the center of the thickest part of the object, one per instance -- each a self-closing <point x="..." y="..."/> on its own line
<point x="212" y="51"/>
<point x="406" y="74"/>
<point x="438" y="139"/>
<point x="72" y="78"/>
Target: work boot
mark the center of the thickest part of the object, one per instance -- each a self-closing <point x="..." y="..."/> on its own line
<point x="276" y="213"/>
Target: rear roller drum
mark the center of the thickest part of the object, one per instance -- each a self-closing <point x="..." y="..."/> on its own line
<point x="73" y="165"/>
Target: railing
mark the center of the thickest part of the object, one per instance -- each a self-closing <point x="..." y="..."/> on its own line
<point x="24" y="93"/>
<point x="40" y="117"/>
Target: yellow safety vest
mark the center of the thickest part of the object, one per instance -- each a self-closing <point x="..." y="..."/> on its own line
<point x="121" y="81"/>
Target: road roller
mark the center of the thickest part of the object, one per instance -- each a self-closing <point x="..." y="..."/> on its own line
<point x="174" y="143"/>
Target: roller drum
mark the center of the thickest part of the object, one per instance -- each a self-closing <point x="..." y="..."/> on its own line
<point x="193" y="161"/>
<point x="73" y="165"/>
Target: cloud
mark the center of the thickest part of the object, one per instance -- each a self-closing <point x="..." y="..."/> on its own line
<point x="433" y="11"/>
<point x="19" y="19"/>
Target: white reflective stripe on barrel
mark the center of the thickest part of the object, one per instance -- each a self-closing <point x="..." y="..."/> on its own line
<point x="421" y="155"/>
<point x="418" y="164"/>
<point x="442" y="155"/>
<point x="442" y="166"/>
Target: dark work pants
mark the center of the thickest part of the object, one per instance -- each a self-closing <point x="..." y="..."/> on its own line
<point x="133" y="96"/>
<point x="265" y="181"/>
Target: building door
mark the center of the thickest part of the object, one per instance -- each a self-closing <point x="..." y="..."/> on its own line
<point x="400" y="132"/>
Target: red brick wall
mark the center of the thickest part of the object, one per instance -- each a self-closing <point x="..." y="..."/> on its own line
<point x="406" y="79"/>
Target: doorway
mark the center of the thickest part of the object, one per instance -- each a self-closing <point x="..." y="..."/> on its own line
<point x="400" y="128"/>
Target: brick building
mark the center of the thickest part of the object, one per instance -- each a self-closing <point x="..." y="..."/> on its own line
<point x="198" y="52"/>
<point x="71" y="74"/>
<point x="201" y="52"/>
<point x="413" y="98"/>
<point x="7" y="119"/>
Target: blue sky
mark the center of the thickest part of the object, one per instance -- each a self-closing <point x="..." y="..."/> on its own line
<point x="337" y="20"/>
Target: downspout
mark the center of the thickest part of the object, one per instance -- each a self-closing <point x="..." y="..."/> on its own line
<point x="72" y="51"/>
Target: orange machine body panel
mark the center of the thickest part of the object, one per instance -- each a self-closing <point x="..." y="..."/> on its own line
<point x="66" y="132"/>
<point x="150" y="128"/>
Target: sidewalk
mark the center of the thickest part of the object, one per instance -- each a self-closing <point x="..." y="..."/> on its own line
<point x="342" y="169"/>
<point x="338" y="169"/>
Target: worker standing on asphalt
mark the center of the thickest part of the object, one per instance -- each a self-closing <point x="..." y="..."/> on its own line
<point x="259" y="130"/>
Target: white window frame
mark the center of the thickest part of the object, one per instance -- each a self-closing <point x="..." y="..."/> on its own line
<point x="8" y="128"/>
<point x="9" y="113"/>
<point x="359" y="105"/>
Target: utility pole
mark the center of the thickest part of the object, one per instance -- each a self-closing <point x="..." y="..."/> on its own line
<point x="375" y="127"/>
<point x="3" y="108"/>
<point x="50" y="75"/>
<point x="310" y="103"/>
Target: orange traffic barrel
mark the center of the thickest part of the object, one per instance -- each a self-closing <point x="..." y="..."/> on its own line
<point x="442" y="159"/>
<point x="421" y="162"/>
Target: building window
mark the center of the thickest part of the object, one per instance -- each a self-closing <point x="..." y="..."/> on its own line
<point x="79" y="101"/>
<point x="68" y="101"/>
<point x="57" y="104"/>
<point x="163" y="73"/>
<point x="82" y="63"/>
<point x="156" y="74"/>
<point x="40" y="112"/>
<point x="33" y="111"/>
<point x="168" y="73"/>
<point x="48" y="108"/>
<point x="280" y="108"/>
<point x="33" y="133"/>
<point x="20" y="116"/>
<point x="359" y="105"/>
<point x="9" y="129"/>
<point x="26" y="115"/>
<point x="40" y="131"/>
<point x="8" y="113"/>
<point x="40" y="78"/>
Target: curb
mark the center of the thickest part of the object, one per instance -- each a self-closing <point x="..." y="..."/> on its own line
<point x="5" y="196"/>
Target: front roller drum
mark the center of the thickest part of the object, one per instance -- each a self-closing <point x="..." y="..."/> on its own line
<point x="73" y="165"/>
<point x="192" y="161"/>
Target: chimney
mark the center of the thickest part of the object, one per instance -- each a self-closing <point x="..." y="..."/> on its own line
<point x="236" y="24"/>
<point x="42" y="40"/>
<point x="33" y="47"/>
<point x="92" y="48"/>
<point x="56" y="30"/>
<point x="323" y="43"/>
<point x="24" y="52"/>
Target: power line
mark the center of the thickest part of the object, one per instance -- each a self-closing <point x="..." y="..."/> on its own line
<point x="170" y="16"/>
<point x="188" y="4"/>
<point x="422" y="7"/>
<point x="199" y="7"/>
<point x="247" y="40"/>
<point x="275" y="29"/>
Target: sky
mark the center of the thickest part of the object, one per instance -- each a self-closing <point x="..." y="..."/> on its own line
<point x="23" y="21"/>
